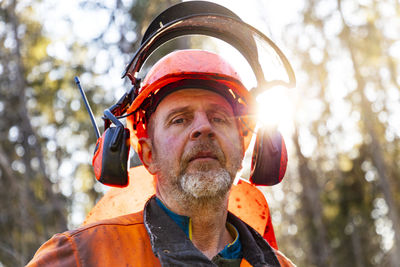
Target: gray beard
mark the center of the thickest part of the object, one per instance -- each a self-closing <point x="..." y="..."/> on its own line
<point x="203" y="185"/>
<point x="198" y="189"/>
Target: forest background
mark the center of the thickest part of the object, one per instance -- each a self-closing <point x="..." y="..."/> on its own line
<point x="339" y="202"/>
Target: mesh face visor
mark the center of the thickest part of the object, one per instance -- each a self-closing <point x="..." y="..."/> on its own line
<point x="270" y="66"/>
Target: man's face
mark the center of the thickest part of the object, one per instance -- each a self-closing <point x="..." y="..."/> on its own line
<point x="196" y="146"/>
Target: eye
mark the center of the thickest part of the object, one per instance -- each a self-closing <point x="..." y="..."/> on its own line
<point x="178" y="120"/>
<point x="218" y="119"/>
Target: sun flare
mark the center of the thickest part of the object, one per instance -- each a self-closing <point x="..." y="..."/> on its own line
<point x="275" y="107"/>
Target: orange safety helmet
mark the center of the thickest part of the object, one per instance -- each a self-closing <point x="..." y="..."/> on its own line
<point x="190" y="69"/>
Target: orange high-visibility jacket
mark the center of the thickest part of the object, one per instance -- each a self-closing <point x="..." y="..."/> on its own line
<point x="121" y="241"/>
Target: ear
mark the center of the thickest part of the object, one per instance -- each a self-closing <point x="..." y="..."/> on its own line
<point x="145" y="152"/>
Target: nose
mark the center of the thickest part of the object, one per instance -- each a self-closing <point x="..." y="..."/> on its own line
<point x="202" y="127"/>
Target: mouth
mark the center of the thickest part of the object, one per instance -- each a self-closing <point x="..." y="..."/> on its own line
<point x="204" y="156"/>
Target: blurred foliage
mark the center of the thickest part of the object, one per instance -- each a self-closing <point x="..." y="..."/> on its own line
<point x="345" y="164"/>
<point x="46" y="135"/>
<point x="339" y="203"/>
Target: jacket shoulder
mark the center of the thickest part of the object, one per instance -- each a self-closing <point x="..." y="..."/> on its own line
<point x="121" y="221"/>
<point x="97" y="244"/>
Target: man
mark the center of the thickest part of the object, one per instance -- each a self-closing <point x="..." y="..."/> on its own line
<point x="190" y="126"/>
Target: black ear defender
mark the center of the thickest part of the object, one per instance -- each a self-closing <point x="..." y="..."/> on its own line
<point x="269" y="160"/>
<point x="110" y="159"/>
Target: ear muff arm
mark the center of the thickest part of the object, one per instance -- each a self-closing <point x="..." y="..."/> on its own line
<point x="111" y="117"/>
<point x="117" y="110"/>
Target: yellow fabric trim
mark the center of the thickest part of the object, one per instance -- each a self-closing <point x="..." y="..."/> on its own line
<point x="190" y="229"/>
<point x="233" y="232"/>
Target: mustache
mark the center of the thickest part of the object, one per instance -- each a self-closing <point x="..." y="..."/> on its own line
<point x="203" y="148"/>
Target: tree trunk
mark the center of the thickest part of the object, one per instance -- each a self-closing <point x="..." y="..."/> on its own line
<point x="357" y="247"/>
<point x="320" y="249"/>
<point x="26" y="198"/>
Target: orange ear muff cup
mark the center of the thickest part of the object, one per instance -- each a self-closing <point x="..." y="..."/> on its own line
<point x="110" y="160"/>
<point x="269" y="159"/>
